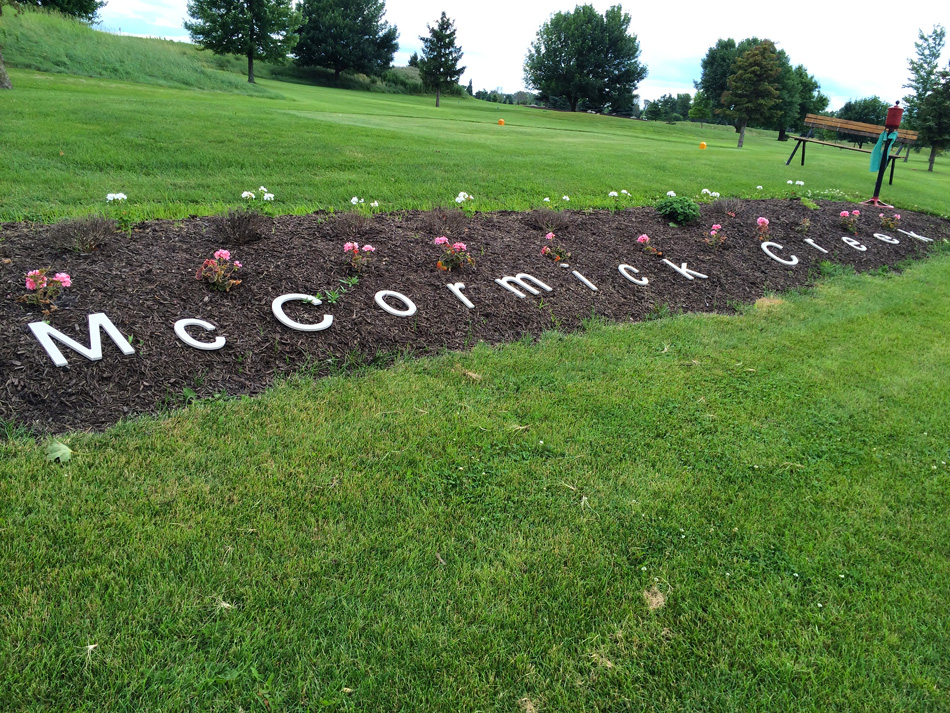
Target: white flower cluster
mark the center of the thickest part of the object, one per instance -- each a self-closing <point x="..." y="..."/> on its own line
<point x="671" y="194"/>
<point x="354" y="200"/>
<point x="249" y="195"/>
<point x="116" y="197"/>
<point x="463" y="196"/>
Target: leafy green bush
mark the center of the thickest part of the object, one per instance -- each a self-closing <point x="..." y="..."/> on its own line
<point x="678" y="210"/>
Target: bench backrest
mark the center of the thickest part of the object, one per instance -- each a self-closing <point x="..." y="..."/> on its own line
<point x="872" y="131"/>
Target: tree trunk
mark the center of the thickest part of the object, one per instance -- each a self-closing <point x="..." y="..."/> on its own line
<point x="4" y="78"/>
<point x="574" y="101"/>
<point x="933" y="155"/>
<point x="741" y="130"/>
<point x="250" y="68"/>
<point x="782" y="134"/>
<point x="437" y="92"/>
<point x="336" y="74"/>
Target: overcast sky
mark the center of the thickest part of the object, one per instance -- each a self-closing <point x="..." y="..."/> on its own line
<point x="853" y="54"/>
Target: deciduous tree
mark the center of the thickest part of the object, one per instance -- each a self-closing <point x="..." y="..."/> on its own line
<point x="870" y="110"/>
<point x="583" y="56"/>
<point x="85" y="10"/>
<point x="752" y="94"/>
<point x="346" y="35"/>
<point x="810" y="98"/>
<point x="439" y="63"/>
<point x="700" y="110"/>
<point x="256" y="29"/>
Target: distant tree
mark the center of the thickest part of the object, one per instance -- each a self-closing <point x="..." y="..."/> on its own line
<point x="85" y="10"/>
<point x="256" y="29"/>
<point x="414" y="59"/>
<point x="4" y="78"/>
<point x="810" y="98"/>
<point x="683" y="103"/>
<point x="870" y="110"/>
<point x="752" y="94"/>
<point x="586" y="58"/>
<point x="923" y="71"/>
<point x="717" y="66"/>
<point x="655" y="110"/>
<point x="439" y="63"/>
<point x="700" y="110"/>
<point x="482" y="94"/>
<point x="522" y="97"/>
<point x="346" y="35"/>
<point x="469" y="88"/>
<point x="933" y="117"/>
<point x="789" y="92"/>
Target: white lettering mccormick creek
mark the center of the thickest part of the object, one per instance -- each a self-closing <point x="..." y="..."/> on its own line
<point x="392" y="302"/>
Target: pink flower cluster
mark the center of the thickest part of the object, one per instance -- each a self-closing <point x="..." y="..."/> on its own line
<point x="763" y="224"/>
<point x="219" y="271"/>
<point x="455" y="255"/>
<point x="358" y="260"/>
<point x="850" y="220"/>
<point x="37" y="280"/>
<point x="890" y="221"/>
<point x="715" y="229"/>
<point x="355" y="248"/>
<point x="643" y="239"/>
<point x="226" y="255"/>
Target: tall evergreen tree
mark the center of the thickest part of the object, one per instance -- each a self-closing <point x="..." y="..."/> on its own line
<point x="586" y="57"/>
<point x="933" y="117"/>
<point x="346" y="35"/>
<point x="923" y="71"/>
<point x="256" y="29"/>
<point x="810" y="98"/>
<point x="752" y="94"/>
<point x="439" y="63"/>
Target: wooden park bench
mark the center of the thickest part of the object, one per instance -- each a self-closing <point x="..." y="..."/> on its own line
<point x="904" y="138"/>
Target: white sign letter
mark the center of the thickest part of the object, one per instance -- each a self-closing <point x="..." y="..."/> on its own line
<point x="854" y="243"/>
<point x="685" y="271"/>
<point x="277" y="308"/>
<point x="625" y="270"/>
<point x="765" y="248"/>
<point x="583" y="279"/>
<point x="456" y="290"/>
<point x="187" y="338"/>
<point x="886" y="238"/>
<point x="520" y="280"/>
<point x="45" y="335"/>
<point x="407" y="312"/>
<point x="815" y="245"/>
<point x="912" y="234"/>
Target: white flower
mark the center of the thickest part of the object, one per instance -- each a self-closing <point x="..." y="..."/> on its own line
<point x="819" y="605"/>
<point x="789" y="182"/>
<point x="262" y="189"/>
<point x="625" y="193"/>
<point x="268" y="196"/>
<point x="362" y="201"/>
<point x="247" y="194"/>
<point x="115" y="197"/>
<point x="547" y="200"/>
<point x="354" y="200"/>
<point x="671" y="194"/>
<point x="565" y="198"/>
<point x="799" y="183"/>
<point x="706" y="191"/>
<point x="459" y="199"/>
<point x="759" y="188"/>
<point x="374" y="204"/>
<point x="612" y="194"/>
<point x="714" y="194"/>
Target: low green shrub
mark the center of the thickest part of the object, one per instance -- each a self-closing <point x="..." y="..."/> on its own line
<point x="678" y="210"/>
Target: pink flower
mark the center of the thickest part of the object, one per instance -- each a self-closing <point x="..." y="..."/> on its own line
<point x="855" y="212"/>
<point x="237" y="264"/>
<point x="460" y="247"/>
<point x="222" y="255"/>
<point x="643" y="239"/>
<point x="63" y="279"/>
<point x="350" y="247"/>
<point x="717" y="227"/>
<point x="762" y="222"/>
<point x="549" y="236"/>
<point x="897" y="216"/>
<point x="544" y="251"/>
<point x="441" y="240"/>
<point x="30" y="284"/>
<point x="712" y="233"/>
<point x="844" y="214"/>
<point x="369" y="249"/>
<point x="880" y="215"/>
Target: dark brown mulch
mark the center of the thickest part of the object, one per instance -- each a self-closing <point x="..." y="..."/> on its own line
<point x="146" y="282"/>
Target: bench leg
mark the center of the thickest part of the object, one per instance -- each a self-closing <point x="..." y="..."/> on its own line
<point x="893" y="163"/>
<point x="793" y="153"/>
<point x="803" y="153"/>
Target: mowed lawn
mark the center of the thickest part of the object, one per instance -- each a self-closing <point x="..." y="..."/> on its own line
<point x="69" y="141"/>
<point x="697" y="513"/>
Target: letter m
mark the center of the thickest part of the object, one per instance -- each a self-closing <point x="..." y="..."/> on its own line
<point x="521" y="280"/>
<point x="45" y="335"/>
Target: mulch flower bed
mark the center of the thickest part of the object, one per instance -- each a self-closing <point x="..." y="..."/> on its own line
<point x="145" y="282"/>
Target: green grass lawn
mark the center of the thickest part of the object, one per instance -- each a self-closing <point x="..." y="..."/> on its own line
<point x="413" y="539"/>
<point x="69" y="141"/>
<point x="776" y="482"/>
